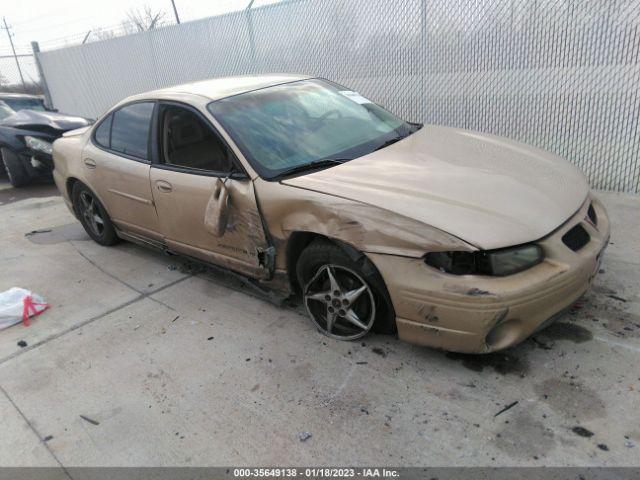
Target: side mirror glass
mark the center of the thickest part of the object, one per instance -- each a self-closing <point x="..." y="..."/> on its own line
<point x="216" y="215"/>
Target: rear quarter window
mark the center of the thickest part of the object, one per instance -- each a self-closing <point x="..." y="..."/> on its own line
<point x="130" y="129"/>
<point x="102" y="135"/>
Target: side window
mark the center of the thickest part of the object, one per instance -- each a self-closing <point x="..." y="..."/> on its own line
<point x="187" y="141"/>
<point x="130" y="129"/>
<point x="103" y="133"/>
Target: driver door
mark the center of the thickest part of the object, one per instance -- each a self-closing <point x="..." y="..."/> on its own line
<point x="194" y="165"/>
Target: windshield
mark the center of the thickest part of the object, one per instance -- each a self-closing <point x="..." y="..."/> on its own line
<point x="5" y="110"/>
<point x="282" y="128"/>
<point x="16" y="104"/>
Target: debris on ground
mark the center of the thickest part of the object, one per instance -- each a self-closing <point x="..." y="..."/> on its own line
<point x="35" y="232"/>
<point x="620" y="299"/>
<point x="541" y="344"/>
<point x="583" y="432"/>
<point x="304" y="436"/>
<point x="18" y="304"/>
<point x="90" y="420"/>
<point x="379" y="351"/>
<point x="603" y="447"/>
<point x="567" y="331"/>
<point x="508" y="407"/>
<point x="502" y="363"/>
<point x="47" y="438"/>
<point x="22" y="344"/>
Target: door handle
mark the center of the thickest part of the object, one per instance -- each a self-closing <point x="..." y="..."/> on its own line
<point x="163" y="186"/>
<point x="89" y="163"/>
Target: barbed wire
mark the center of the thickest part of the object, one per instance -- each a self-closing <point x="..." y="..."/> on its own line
<point x="125" y="27"/>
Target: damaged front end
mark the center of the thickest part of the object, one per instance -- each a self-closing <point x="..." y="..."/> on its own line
<point x="30" y="134"/>
<point x="480" y="313"/>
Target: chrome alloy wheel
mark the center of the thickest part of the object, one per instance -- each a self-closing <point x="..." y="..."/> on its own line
<point x="91" y="213"/>
<point x="340" y="302"/>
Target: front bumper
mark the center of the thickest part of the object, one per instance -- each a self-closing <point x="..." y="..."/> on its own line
<point x="481" y="314"/>
<point x="39" y="165"/>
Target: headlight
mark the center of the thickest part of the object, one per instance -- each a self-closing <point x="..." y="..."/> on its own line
<point x="35" y="143"/>
<point x="499" y="263"/>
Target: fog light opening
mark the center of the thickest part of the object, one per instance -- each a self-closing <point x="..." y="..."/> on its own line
<point x="503" y="335"/>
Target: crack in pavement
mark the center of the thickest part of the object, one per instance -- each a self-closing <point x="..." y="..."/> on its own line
<point x="35" y="432"/>
<point x="109" y="274"/>
<point x="93" y="319"/>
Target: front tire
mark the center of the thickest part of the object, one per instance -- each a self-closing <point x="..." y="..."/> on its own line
<point x="16" y="171"/>
<point x="93" y="216"/>
<point x="346" y="298"/>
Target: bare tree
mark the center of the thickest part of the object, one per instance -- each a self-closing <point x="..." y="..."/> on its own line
<point x="145" y="19"/>
<point x="102" y="34"/>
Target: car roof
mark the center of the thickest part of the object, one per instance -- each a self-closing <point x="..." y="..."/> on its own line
<point x="217" y="88"/>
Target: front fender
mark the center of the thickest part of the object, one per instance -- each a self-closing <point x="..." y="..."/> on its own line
<point x="11" y="138"/>
<point x="367" y="228"/>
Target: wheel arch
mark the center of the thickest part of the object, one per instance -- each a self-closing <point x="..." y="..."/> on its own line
<point x="299" y="240"/>
<point x="71" y="182"/>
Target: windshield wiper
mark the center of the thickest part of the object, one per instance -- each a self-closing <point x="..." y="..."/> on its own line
<point x="325" y="162"/>
<point x="391" y="141"/>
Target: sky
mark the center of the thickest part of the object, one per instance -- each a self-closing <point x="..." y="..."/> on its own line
<point x="54" y="23"/>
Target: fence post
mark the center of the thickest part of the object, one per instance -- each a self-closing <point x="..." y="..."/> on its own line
<point x="423" y="60"/>
<point x="252" y="40"/>
<point x="43" y="81"/>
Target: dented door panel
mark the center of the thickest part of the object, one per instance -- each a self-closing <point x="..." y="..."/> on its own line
<point x="181" y="200"/>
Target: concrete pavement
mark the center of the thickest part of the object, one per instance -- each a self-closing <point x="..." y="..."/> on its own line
<point x="142" y="361"/>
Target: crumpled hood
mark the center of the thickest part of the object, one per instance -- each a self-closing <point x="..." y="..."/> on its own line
<point x="36" y="118"/>
<point x="489" y="191"/>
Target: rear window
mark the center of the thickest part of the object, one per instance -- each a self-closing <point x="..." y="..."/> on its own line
<point x="130" y="129"/>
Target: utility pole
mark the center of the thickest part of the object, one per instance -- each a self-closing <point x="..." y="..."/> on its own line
<point x="175" y="11"/>
<point x="6" y="27"/>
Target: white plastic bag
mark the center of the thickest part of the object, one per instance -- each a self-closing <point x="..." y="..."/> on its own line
<point x="18" y="304"/>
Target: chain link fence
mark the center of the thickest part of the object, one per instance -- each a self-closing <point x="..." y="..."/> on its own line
<point x="19" y="80"/>
<point x="563" y="75"/>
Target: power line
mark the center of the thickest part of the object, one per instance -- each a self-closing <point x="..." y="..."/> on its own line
<point x="53" y="26"/>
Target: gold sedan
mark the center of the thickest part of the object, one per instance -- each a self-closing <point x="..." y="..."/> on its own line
<point x="451" y="238"/>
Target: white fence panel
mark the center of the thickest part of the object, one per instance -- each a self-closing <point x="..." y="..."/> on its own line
<point x="563" y="75"/>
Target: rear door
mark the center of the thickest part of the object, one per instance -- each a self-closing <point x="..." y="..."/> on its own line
<point x="193" y="160"/>
<point x="117" y="163"/>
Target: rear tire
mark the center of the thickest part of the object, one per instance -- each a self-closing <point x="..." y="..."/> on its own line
<point x="93" y="216"/>
<point x="16" y="171"/>
<point x="337" y="314"/>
